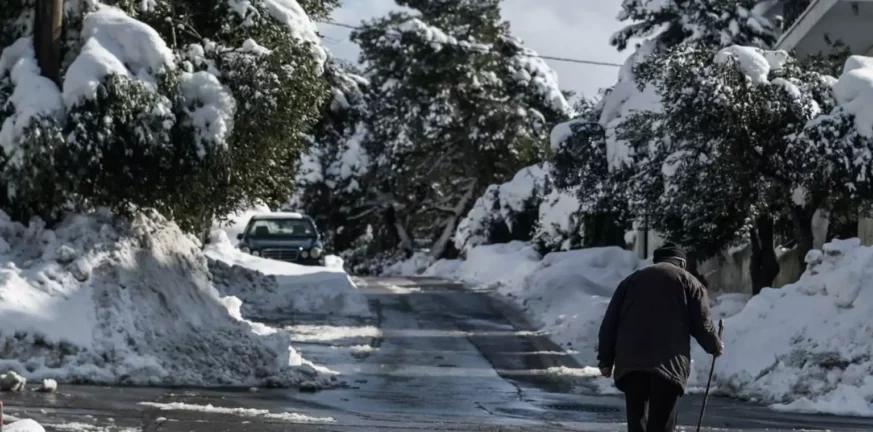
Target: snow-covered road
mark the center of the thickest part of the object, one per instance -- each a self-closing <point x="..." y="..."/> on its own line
<point x="434" y="357"/>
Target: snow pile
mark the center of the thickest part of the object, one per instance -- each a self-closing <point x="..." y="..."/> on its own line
<point x="104" y="300"/>
<point x="854" y="92"/>
<point x="807" y="346"/>
<point x="48" y="386"/>
<point x="34" y="97"/>
<point x="268" y="287"/>
<point x="412" y="266"/>
<point x="566" y="293"/>
<point x="24" y="426"/>
<point x="12" y="382"/>
<point x="500" y="204"/>
<point x="115" y="44"/>
<point x="491" y="266"/>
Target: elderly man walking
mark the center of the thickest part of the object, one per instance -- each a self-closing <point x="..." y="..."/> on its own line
<point x="645" y="338"/>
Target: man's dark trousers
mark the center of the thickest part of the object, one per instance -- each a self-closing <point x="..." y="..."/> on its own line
<point x="649" y="390"/>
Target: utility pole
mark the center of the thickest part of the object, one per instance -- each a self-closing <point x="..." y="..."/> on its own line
<point x="47" y="30"/>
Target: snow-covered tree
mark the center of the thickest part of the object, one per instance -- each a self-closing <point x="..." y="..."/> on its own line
<point x="834" y="165"/>
<point x="582" y="167"/>
<point x="332" y="176"/>
<point x="506" y="212"/>
<point x="596" y="154"/>
<point x="714" y="23"/>
<point x="457" y="105"/>
<point x="194" y="109"/>
<point x="724" y="170"/>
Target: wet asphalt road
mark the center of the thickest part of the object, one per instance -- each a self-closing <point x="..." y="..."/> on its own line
<point x="437" y="357"/>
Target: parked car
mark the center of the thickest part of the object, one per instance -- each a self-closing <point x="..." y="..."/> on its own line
<point x="289" y="237"/>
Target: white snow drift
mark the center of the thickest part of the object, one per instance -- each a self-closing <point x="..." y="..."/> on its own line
<point x="101" y="300"/>
<point x="269" y="287"/>
<point x="807" y="346"/>
<point x="564" y="292"/>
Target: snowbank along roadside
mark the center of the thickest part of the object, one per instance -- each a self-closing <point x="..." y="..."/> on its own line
<point x="109" y="301"/>
<point x="269" y="287"/>
<point x="805" y="347"/>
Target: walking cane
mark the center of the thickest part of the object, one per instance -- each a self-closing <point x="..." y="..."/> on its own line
<point x="708" y="383"/>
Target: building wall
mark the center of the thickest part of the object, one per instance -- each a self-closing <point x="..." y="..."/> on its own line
<point x="729" y="273"/>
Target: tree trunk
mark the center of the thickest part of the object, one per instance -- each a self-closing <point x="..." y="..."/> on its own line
<point x="802" y="221"/>
<point x="763" y="266"/>
<point x="48" y="28"/>
<point x="406" y="244"/>
<point x="439" y="247"/>
<point x="603" y="230"/>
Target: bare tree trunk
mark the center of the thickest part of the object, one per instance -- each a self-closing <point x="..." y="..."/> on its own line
<point x="439" y="247"/>
<point x="405" y="240"/>
<point x="48" y="28"/>
<point x="763" y="266"/>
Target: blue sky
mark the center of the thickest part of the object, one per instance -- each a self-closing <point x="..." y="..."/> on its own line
<point x="560" y="28"/>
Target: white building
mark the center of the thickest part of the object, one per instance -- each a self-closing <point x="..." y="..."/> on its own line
<point x="811" y="26"/>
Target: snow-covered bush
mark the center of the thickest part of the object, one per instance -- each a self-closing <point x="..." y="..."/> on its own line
<point x="31" y="111"/>
<point x="505" y="212"/>
<point x="147" y="104"/>
<point x="560" y="222"/>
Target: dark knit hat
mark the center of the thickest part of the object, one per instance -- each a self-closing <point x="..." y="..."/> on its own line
<point x="668" y="251"/>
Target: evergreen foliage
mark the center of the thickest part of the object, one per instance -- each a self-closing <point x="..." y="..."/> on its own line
<point x="457" y="104"/>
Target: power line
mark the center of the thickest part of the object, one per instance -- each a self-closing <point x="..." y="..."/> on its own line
<point x="545" y="57"/>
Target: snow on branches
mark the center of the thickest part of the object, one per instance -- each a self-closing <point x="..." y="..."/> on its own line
<point x="457" y="105"/>
<point x="708" y="22"/>
<point x="149" y="103"/>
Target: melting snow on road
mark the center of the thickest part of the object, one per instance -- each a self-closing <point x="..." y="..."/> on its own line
<point x="243" y="412"/>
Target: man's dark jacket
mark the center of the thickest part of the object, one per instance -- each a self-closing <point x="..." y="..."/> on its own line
<point x="650" y="321"/>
